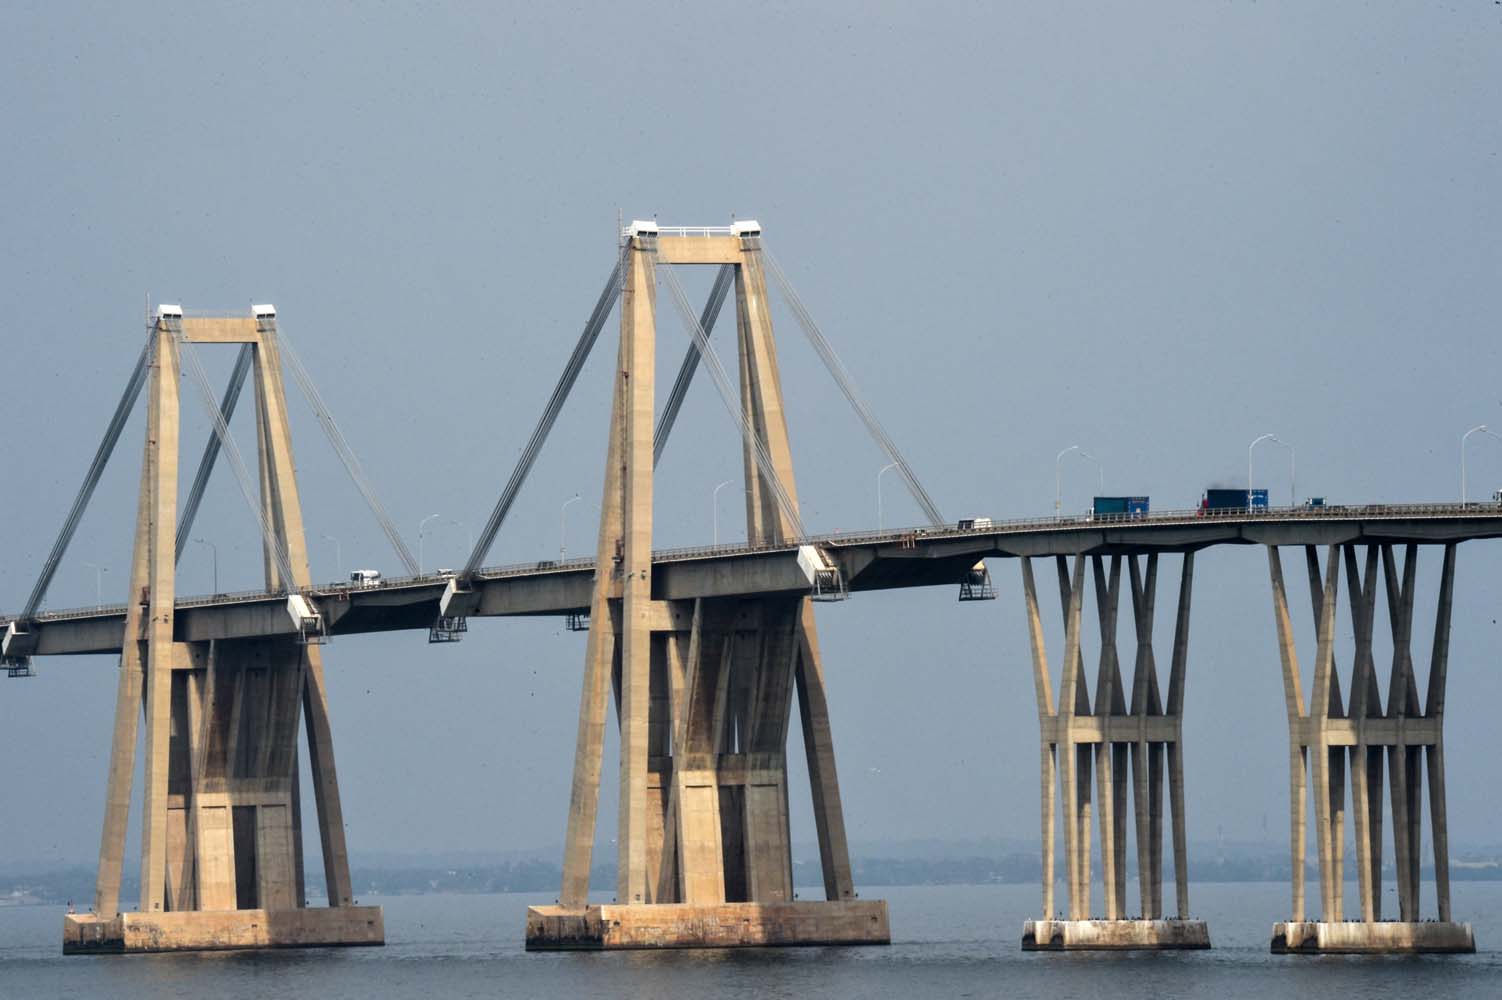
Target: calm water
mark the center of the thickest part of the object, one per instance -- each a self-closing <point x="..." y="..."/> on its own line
<point x="949" y="941"/>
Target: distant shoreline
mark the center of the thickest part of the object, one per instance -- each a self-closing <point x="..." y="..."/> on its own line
<point x="75" y="883"/>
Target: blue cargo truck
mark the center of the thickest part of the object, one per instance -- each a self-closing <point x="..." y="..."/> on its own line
<point x="1233" y="500"/>
<point x="1119" y="505"/>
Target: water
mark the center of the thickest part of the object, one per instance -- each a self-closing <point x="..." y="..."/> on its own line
<point x="949" y="941"/>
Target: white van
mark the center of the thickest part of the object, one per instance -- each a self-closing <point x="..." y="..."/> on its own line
<point x="366" y="578"/>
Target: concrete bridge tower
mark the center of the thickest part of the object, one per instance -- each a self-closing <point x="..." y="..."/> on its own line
<point x="703" y="688"/>
<point x="221" y="844"/>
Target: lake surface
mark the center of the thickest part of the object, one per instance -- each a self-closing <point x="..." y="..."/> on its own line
<point x="948" y="941"/>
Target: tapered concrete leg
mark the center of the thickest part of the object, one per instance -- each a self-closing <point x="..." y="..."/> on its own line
<point x="1049" y="790"/>
<point x="1114" y="739"/>
<point x="1326" y="739"/>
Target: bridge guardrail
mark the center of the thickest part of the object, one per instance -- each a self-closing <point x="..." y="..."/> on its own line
<point x="997" y="526"/>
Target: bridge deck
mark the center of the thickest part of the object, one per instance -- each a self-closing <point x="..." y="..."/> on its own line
<point x="875" y="560"/>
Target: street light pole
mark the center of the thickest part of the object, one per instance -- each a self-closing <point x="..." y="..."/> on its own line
<point x="214" y="549"/>
<point x="422" y="527"/>
<point x="99" y="572"/>
<point x="715" y="503"/>
<point x="469" y="536"/>
<point x="1292" y="469"/>
<point x="563" y="526"/>
<point x="338" y="553"/>
<point x="1478" y="429"/>
<point x="1058" y="476"/>
<point x="880" y="523"/>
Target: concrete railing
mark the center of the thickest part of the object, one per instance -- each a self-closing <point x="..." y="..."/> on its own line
<point x="997" y="526"/>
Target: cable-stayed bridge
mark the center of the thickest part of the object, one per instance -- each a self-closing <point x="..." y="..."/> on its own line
<point x="704" y="653"/>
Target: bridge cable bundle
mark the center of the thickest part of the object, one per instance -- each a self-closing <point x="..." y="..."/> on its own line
<point x="248" y="490"/>
<point x="90" y="480"/>
<point x="211" y="448"/>
<point x="842" y="377"/>
<point x="731" y="399"/>
<point x="722" y="282"/>
<point x="342" y="448"/>
<point x="561" y="390"/>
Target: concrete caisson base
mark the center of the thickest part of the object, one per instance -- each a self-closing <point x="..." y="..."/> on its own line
<point x="722" y="925"/>
<point x="1354" y="937"/>
<point x="220" y="930"/>
<point x="1114" y="935"/>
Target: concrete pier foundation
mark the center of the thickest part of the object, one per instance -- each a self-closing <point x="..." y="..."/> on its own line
<point x="715" y="925"/>
<point x="1357" y="937"/>
<point x="1115" y="935"/>
<point x="1128" y="737"/>
<point x="128" y="933"/>
<point x="1332" y="736"/>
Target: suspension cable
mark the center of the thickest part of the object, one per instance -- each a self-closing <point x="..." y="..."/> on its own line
<point x="731" y="400"/>
<point x="341" y="446"/>
<point x="847" y="386"/>
<point x="211" y="448"/>
<point x="237" y="463"/>
<point x="90" y="479"/>
<point x="565" y="384"/>
<point x="690" y="362"/>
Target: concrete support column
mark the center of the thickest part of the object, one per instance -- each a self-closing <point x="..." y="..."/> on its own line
<point x="1126" y="741"/>
<point x="1332" y="735"/>
<point x="705" y="693"/>
<point x="221" y="835"/>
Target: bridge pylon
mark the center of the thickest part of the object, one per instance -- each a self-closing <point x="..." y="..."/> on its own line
<point x="1127" y="731"/>
<point x="1330" y="737"/>
<point x="703" y="688"/>
<point x="221" y="843"/>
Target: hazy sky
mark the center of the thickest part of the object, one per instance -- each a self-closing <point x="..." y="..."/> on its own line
<point x="1155" y="232"/>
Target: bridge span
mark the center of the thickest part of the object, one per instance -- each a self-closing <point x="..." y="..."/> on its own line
<point x="923" y="556"/>
<point x="703" y="654"/>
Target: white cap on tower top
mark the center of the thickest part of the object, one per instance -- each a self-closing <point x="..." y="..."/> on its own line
<point x="164" y="311"/>
<point x="264" y="309"/>
<point x="639" y="227"/>
<point x="748" y="227"/>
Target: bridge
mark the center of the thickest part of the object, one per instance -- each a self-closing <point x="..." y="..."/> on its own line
<point x="703" y="652"/>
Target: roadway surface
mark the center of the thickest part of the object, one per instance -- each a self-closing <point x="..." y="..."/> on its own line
<point x="875" y="560"/>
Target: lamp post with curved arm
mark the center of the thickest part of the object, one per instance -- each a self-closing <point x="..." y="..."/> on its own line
<point x="715" y="503"/>
<point x="563" y="526"/>
<point x="1478" y="429"/>
<point x="1292" y="470"/>
<point x="214" y="549"/>
<point x="880" y="522"/>
<point x="422" y="527"/>
<point x="338" y="553"/>
<point x="1058" y="476"/>
<point x="99" y="572"/>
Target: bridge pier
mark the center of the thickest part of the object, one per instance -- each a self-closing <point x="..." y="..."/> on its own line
<point x="1113" y="738"/>
<point x="703" y="689"/>
<point x="1331" y="737"/>
<point x="221" y="850"/>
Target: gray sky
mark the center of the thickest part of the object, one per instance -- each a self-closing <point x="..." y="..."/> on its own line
<point x="1154" y="232"/>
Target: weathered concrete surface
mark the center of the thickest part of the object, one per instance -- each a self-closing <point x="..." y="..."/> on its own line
<point x="190" y="930"/>
<point x="1114" y="935"/>
<point x="716" y="925"/>
<point x="1354" y="937"/>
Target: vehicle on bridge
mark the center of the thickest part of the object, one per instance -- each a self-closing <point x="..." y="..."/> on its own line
<point x="1217" y="499"/>
<point x="1129" y="506"/>
<point x="365" y="578"/>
